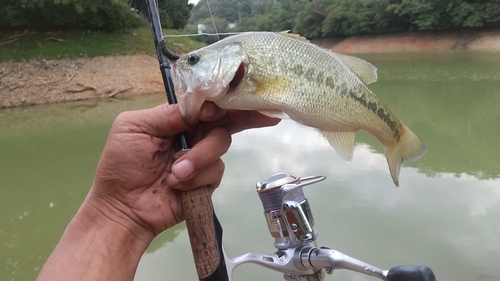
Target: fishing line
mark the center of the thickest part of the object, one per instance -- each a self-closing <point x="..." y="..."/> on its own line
<point x="218" y="39"/>
<point x="213" y="21"/>
<point x="246" y="132"/>
<point x="253" y="156"/>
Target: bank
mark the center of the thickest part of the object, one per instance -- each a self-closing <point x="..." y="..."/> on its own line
<point x="50" y="81"/>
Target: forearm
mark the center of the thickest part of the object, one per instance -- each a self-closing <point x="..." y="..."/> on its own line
<point x="96" y="246"/>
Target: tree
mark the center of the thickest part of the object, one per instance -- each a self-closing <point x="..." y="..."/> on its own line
<point x="421" y="14"/>
<point x="349" y="17"/>
<point x="173" y="13"/>
<point x="221" y="26"/>
<point x="88" y="14"/>
<point x="271" y="15"/>
<point x="309" y="20"/>
<point x="325" y="18"/>
<point x="59" y="14"/>
<point x="229" y="10"/>
<point x="474" y="14"/>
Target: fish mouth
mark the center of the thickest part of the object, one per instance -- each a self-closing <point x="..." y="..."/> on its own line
<point x="237" y="79"/>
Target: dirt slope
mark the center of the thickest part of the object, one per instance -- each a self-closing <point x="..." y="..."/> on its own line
<point x="42" y="81"/>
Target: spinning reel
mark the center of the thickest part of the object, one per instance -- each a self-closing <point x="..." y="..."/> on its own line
<point x="291" y="224"/>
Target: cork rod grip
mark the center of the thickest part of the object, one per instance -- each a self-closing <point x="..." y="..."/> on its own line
<point x="198" y="212"/>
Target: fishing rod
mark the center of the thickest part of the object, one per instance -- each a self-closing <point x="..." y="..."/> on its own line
<point x="204" y="229"/>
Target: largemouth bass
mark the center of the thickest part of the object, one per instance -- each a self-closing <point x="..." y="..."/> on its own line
<point x="284" y="76"/>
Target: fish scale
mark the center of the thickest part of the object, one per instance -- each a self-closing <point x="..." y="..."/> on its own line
<point x="284" y="76"/>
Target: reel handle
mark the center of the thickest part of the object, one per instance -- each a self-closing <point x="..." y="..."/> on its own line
<point x="411" y="273"/>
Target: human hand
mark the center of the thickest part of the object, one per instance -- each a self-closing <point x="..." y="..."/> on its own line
<point x="137" y="180"/>
<point x="135" y="194"/>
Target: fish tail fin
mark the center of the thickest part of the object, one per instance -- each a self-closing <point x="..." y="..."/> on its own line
<point x="409" y="148"/>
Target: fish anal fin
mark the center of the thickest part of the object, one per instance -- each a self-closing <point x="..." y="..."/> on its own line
<point x="274" y="113"/>
<point x="366" y="71"/>
<point x="409" y="148"/>
<point x="342" y="142"/>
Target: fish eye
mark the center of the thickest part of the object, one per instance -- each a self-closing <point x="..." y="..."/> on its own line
<point x="193" y="58"/>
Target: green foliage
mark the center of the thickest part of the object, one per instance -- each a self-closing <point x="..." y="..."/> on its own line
<point x="309" y="20"/>
<point x="230" y="10"/>
<point x="77" y="43"/>
<point x="445" y="14"/>
<point x="248" y="24"/>
<point x="174" y="14"/>
<point x="221" y="26"/>
<point x="325" y="18"/>
<point x="346" y="17"/>
<point x="474" y="14"/>
<point x="71" y="44"/>
<point x="270" y="16"/>
<point x="421" y="14"/>
<point x="223" y="13"/>
<point x="64" y="14"/>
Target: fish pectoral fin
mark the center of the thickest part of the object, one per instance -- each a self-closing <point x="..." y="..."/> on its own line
<point x="274" y="113"/>
<point x="342" y="142"/>
<point x="366" y="71"/>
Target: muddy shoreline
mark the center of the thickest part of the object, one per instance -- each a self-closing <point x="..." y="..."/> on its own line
<point x="50" y="81"/>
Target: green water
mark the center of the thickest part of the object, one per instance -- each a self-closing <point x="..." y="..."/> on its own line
<point x="444" y="214"/>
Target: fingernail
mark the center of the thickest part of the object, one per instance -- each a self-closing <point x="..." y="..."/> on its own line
<point x="182" y="169"/>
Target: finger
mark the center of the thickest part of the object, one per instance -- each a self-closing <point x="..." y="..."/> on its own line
<point x="162" y="121"/>
<point x="244" y="120"/>
<point x="211" y="176"/>
<point x="211" y="112"/>
<point x="203" y="154"/>
<point x="238" y="120"/>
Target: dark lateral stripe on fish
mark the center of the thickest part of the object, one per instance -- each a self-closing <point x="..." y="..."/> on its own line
<point x="318" y="77"/>
<point x="380" y="112"/>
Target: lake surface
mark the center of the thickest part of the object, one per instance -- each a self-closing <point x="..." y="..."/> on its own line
<point x="445" y="213"/>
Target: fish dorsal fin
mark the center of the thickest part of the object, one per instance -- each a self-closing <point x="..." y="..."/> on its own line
<point x="293" y="35"/>
<point x="274" y="113"/>
<point x="366" y="71"/>
<point x="342" y="142"/>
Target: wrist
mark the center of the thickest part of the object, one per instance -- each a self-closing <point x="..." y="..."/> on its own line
<point x="114" y="221"/>
<point x="100" y="243"/>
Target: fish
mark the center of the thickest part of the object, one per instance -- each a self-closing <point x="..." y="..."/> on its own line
<point x="283" y="75"/>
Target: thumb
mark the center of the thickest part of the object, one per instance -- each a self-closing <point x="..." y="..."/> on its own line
<point x="161" y="121"/>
